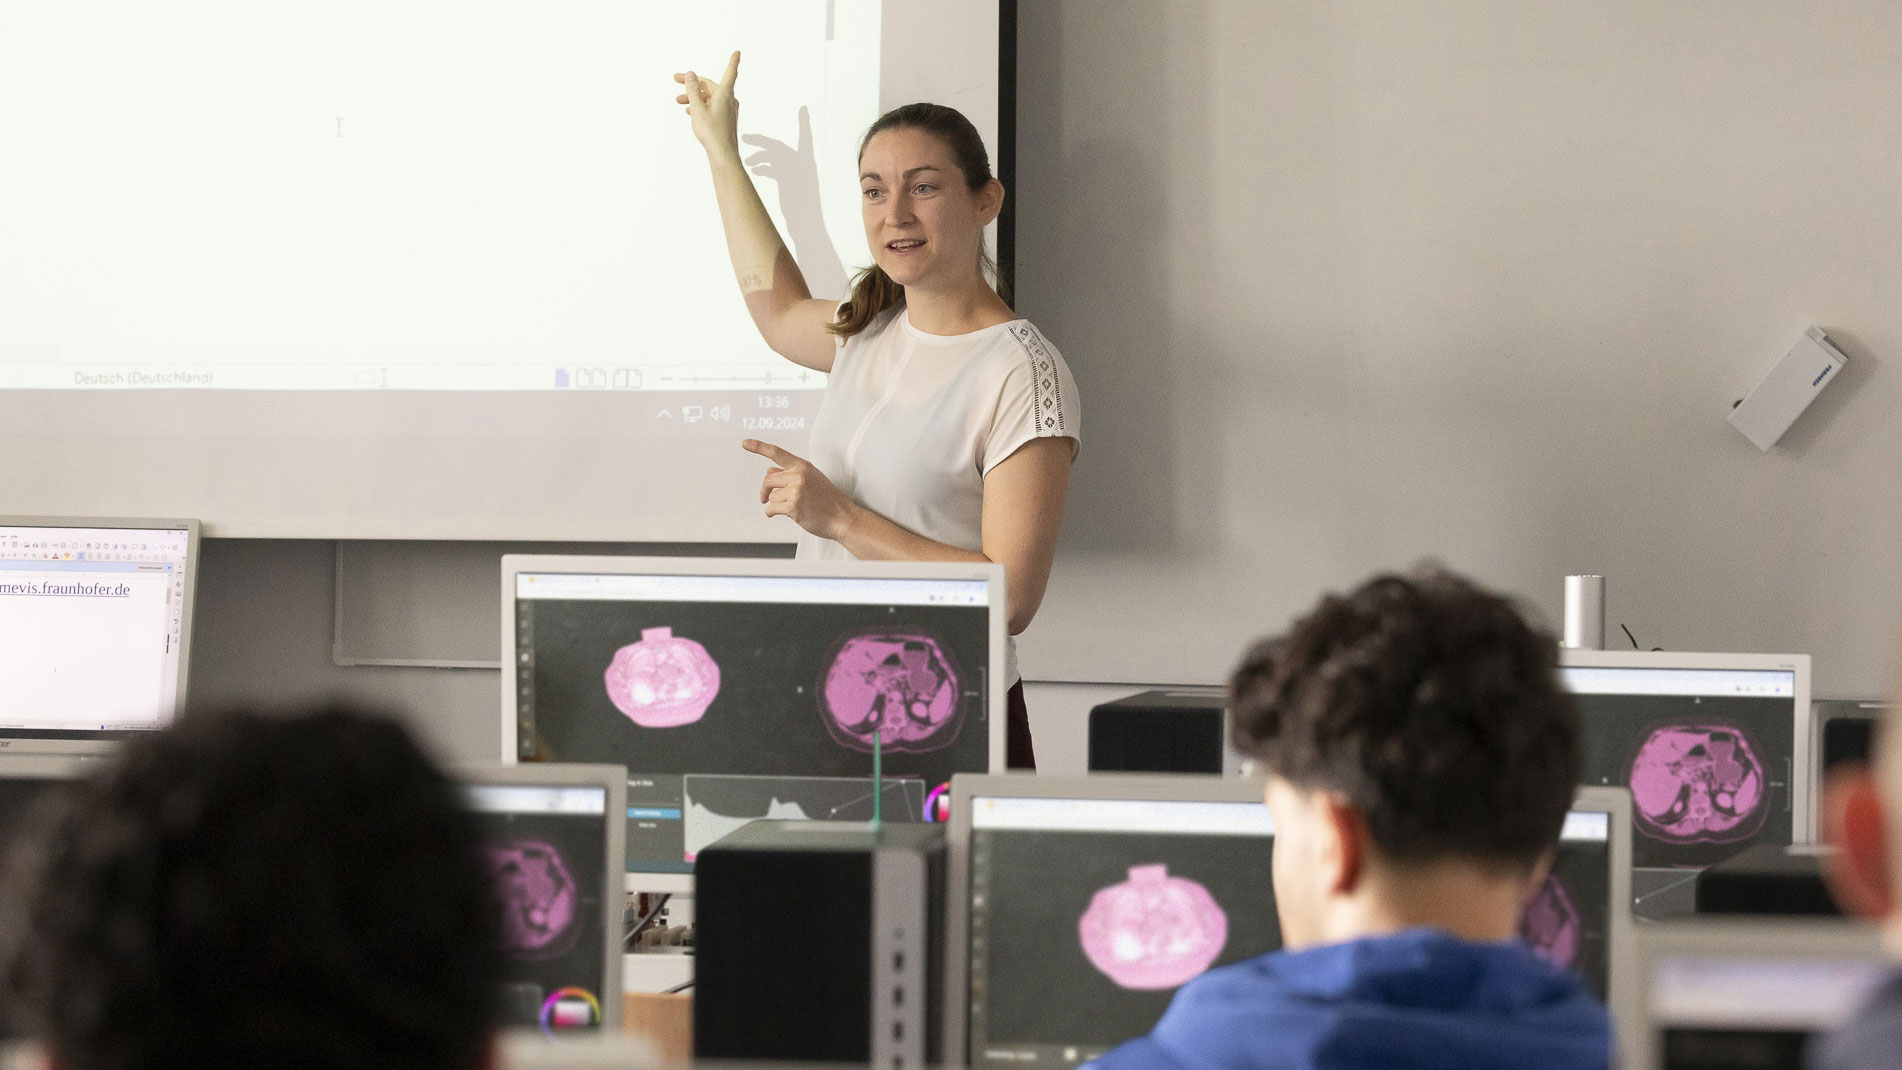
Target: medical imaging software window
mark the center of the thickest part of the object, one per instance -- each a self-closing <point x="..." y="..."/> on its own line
<point x="735" y="698"/>
<point x="1567" y="923"/>
<point x="1112" y="903"/>
<point x="1709" y="756"/>
<point x="546" y="851"/>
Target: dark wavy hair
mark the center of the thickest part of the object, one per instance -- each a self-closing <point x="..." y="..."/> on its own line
<point x="1431" y="705"/>
<point x="873" y="291"/>
<point x="249" y="890"/>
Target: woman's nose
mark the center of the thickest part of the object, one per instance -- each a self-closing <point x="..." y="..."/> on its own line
<point x="898" y="209"/>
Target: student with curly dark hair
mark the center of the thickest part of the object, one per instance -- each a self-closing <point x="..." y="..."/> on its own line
<point x="244" y="890"/>
<point x="1420" y="759"/>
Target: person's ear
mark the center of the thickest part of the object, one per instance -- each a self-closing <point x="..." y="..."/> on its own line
<point x="990" y="201"/>
<point x="1344" y="844"/>
<point x="1852" y="821"/>
<point x="1535" y="878"/>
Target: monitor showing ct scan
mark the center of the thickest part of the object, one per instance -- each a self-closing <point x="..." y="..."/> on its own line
<point x="1713" y="747"/>
<point x="738" y="689"/>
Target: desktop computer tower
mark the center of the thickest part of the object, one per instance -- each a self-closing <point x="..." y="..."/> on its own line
<point x="821" y="941"/>
<point x="1177" y="731"/>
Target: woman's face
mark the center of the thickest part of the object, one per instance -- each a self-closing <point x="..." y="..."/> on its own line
<point x="925" y="226"/>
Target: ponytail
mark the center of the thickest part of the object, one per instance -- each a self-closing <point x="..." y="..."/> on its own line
<point x="873" y="293"/>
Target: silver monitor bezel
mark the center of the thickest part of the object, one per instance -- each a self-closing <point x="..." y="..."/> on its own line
<point x="613" y="778"/>
<point x="1620" y="993"/>
<point x="1757" y="937"/>
<point x="1802" y="762"/>
<point x="513" y="565"/>
<point x="193" y="564"/>
<point x="64" y="766"/>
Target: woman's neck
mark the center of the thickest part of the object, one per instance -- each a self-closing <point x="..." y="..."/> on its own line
<point x="961" y="311"/>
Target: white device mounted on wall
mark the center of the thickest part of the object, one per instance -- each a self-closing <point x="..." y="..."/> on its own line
<point x="1782" y="395"/>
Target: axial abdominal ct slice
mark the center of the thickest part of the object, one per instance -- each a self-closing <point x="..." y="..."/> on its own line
<point x="536" y="896"/>
<point x="1153" y="931"/>
<point x="902" y="688"/>
<point x="1551" y="925"/>
<point x="662" y="681"/>
<point x="1698" y="783"/>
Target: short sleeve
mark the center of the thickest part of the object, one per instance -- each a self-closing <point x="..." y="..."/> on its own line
<point x="1037" y="398"/>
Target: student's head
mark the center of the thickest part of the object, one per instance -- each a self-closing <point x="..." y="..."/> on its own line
<point x="926" y="190"/>
<point x="243" y="890"/>
<point x="1414" y="736"/>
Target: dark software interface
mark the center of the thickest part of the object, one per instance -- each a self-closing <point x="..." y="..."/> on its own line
<point x="1709" y="757"/>
<point x="546" y="847"/>
<point x="1568" y="921"/>
<point x="729" y="698"/>
<point x="1088" y="914"/>
<point x="1718" y="1012"/>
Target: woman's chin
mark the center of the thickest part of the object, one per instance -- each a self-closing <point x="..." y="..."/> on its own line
<point x="905" y="269"/>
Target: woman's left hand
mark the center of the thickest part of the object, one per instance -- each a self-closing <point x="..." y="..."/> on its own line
<point x="795" y="488"/>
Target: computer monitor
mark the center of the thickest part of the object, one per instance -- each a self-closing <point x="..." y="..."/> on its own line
<point x="1727" y="993"/>
<point x="736" y="689"/>
<point x="1055" y="950"/>
<point x="1579" y="918"/>
<point x="1042" y="869"/>
<point x="553" y="837"/>
<point x="95" y="626"/>
<point x="1714" y="747"/>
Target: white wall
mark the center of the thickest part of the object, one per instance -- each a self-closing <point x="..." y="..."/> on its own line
<point x="1349" y="283"/>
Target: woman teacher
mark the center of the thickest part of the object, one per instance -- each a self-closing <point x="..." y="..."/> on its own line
<point x="949" y="424"/>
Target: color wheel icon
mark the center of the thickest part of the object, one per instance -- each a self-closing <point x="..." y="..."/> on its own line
<point x="570" y="1008"/>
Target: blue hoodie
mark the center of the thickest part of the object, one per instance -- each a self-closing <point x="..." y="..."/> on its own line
<point x="1415" y="999"/>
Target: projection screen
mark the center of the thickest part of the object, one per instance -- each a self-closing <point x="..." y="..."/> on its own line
<point x="429" y="269"/>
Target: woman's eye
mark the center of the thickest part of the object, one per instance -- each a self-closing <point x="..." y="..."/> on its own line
<point x="874" y="193"/>
<point x="925" y="188"/>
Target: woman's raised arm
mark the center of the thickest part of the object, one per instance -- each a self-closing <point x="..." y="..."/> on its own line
<point x="791" y="320"/>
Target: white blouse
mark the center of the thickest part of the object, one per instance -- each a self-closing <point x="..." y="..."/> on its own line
<point x="912" y="422"/>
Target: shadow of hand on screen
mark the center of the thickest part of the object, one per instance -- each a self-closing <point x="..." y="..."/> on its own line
<point x="796" y="171"/>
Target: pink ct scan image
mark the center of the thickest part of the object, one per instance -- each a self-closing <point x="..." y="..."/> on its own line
<point x="900" y="688"/>
<point x="537" y="898"/>
<point x="1551" y="925"/>
<point x="1153" y="931"/>
<point x="1698" y="783"/>
<point x="663" y="681"/>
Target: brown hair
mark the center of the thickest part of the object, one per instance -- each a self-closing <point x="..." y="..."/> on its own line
<point x="1432" y="704"/>
<point x="873" y="291"/>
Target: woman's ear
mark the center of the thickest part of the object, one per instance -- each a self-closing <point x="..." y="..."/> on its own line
<point x="1852" y="821"/>
<point x="990" y="201"/>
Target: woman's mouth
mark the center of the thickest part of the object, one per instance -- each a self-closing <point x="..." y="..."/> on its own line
<point x="905" y="245"/>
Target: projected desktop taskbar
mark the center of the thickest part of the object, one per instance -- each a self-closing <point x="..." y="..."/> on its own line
<point x="536" y="377"/>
